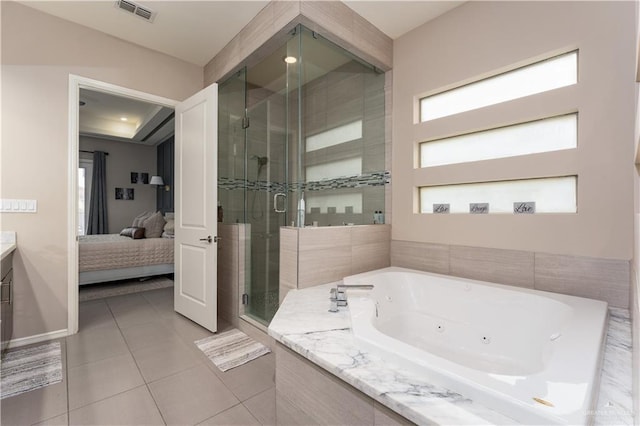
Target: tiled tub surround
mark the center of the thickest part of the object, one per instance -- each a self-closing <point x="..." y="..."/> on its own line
<point x="594" y="278"/>
<point x="304" y="325"/>
<point x="316" y="255"/>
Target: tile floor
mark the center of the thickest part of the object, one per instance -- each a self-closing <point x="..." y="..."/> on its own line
<point x="134" y="362"/>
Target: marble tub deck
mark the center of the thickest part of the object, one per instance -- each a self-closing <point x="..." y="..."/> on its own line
<point x="304" y="325"/>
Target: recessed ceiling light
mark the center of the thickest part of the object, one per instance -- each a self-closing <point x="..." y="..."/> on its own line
<point x="291" y="59"/>
<point x="123" y="118"/>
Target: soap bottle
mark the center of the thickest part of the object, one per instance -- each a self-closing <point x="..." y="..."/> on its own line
<point x="301" y="211"/>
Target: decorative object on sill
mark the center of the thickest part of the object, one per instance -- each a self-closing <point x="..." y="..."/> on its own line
<point x="158" y="181"/>
<point x="31" y="368"/>
<point x="140" y="178"/>
<point x="124" y="194"/>
<point x="231" y="349"/>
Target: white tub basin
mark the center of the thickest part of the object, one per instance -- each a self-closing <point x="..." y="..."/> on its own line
<point x="531" y="355"/>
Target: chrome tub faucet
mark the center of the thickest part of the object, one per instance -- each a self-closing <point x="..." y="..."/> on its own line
<point x="338" y="295"/>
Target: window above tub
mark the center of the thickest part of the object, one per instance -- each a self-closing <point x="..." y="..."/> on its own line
<point x="546" y="135"/>
<point x="550" y="195"/>
<point x="542" y="76"/>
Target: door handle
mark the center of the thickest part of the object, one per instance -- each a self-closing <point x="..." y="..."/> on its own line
<point x="275" y="202"/>
<point x="208" y="239"/>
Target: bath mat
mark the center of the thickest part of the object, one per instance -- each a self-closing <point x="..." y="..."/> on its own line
<point x="231" y="349"/>
<point x="32" y="368"/>
<point x="118" y="288"/>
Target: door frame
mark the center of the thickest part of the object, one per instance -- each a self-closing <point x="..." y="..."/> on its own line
<point x="76" y="83"/>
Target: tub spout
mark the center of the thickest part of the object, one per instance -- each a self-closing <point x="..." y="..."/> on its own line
<point x="338" y="295"/>
<point x="345" y="287"/>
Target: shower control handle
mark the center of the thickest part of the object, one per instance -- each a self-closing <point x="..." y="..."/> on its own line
<point x="284" y="202"/>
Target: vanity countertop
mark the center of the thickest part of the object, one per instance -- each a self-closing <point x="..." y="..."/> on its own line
<point x="7" y="243"/>
<point x="304" y="325"/>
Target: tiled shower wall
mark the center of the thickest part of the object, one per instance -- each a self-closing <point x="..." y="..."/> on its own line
<point x="602" y="279"/>
<point x="231" y="270"/>
<point x="313" y="256"/>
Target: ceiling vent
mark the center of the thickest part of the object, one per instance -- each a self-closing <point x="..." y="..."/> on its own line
<point x="134" y="8"/>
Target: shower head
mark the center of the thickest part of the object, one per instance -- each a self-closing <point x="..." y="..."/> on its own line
<point x="262" y="161"/>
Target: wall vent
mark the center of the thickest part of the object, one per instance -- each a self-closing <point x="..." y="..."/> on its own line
<point x="134" y="8"/>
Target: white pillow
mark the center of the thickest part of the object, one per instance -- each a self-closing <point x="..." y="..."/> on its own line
<point x="137" y="221"/>
<point x="153" y="225"/>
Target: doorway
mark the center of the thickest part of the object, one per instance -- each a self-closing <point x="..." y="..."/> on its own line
<point x="76" y="84"/>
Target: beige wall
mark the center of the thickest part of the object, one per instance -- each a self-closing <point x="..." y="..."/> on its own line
<point x="38" y="54"/>
<point x="481" y="38"/>
<point x="123" y="159"/>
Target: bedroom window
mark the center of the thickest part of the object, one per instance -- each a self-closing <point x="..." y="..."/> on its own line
<point x="552" y="73"/>
<point x="85" y="174"/>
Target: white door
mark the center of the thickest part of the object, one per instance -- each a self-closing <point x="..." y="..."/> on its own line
<point x="196" y="192"/>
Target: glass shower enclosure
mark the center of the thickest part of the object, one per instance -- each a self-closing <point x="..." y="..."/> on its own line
<point x="301" y="143"/>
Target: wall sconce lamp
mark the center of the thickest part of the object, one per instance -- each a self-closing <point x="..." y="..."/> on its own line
<point x="157" y="180"/>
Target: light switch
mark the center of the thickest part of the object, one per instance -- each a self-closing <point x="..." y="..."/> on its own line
<point x="18" y="206"/>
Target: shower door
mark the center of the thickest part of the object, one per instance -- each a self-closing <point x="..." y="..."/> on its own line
<point x="266" y="174"/>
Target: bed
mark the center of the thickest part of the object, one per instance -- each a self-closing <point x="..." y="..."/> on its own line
<point x="112" y="257"/>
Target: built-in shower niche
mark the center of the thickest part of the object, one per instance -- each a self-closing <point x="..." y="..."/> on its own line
<point x="301" y="143"/>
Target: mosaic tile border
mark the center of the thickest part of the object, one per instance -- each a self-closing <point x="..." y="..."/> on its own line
<point x="359" y="181"/>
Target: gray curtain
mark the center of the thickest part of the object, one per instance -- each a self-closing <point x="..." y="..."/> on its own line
<point x="98" y="207"/>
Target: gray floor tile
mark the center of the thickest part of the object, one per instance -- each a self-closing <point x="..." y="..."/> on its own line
<point x="148" y="334"/>
<point x="164" y="359"/>
<point x="142" y="314"/>
<point x="35" y="406"/>
<point x="61" y="420"/>
<point x="249" y="379"/>
<point x="95" y="314"/>
<point x="236" y="416"/>
<point x="263" y="406"/>
<point x="134" y="407"/>
<point x="94" y="345"/>
<point x="126" y="302"/>
<point x="189" y="397"/>
<point x="101" y="379"/>
<point x="188" y="330"/>
<point x="160" y="298"/>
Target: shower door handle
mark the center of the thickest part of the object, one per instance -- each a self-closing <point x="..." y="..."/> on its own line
<point x="284" y="203"/>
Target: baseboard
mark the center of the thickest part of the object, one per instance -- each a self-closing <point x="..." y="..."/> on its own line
<point x="37" y="338"/>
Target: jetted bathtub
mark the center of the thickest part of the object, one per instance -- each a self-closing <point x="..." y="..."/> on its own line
<point x="531" y="355"/>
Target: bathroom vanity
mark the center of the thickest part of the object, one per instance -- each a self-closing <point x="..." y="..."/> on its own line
<point x="7" y="247"/>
